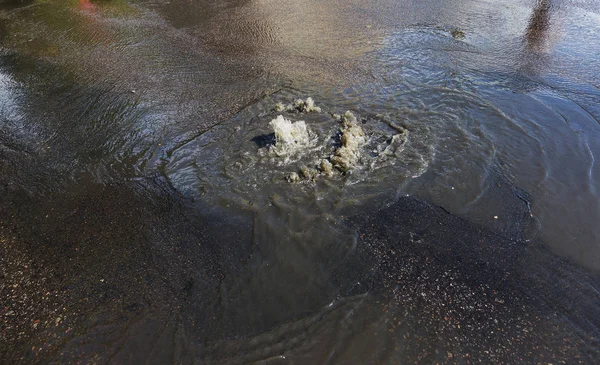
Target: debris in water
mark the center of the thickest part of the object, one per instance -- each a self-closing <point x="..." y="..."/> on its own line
<point x="293" y="177"/>
<point x="309" y="173"/>
<point x="279" y="107"/>
<point x="326" y="167"/>
<point x="348" y="117"/>
<point x="302" y="106"/>
<point x="457" y="34"/>
<point x="306" y="174"/>
<point x="396" y="145"/>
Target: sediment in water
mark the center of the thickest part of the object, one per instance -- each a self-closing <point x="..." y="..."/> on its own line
<point x="353" y="138"/>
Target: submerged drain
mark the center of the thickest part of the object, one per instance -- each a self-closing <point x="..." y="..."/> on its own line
<point x="349" y="147"/>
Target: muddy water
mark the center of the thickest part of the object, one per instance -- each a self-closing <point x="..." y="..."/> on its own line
<point x="150" y="213"/>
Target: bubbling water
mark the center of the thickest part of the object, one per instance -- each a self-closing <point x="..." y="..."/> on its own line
<point x="302" y="106"/>
<point x="320" y="160"/>
<point x="295" y="141"/>
<point x="353" y="139"/>
<point x="289" y="135"/>
<point x="292" y="139"/>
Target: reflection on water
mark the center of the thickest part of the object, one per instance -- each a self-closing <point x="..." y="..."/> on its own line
<point x="142" y="206"/>
<point x="14" y="4"/>
<point x="540" y="37"/>
<point x="539" y="26"/>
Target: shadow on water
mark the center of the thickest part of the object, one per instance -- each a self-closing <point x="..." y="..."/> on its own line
<point x="426" y="286"/>
<point x="184" y="14"/>
<point x="112" y="255"/>
<point x="112" y="263"/>
<point x="132" y="271"/>
<point x="539" y="38"/>
<point x="538" y="26"/>
<point x="14" y="4"/>
<point x="471" y="281"/>
<point x="264" y="140"/>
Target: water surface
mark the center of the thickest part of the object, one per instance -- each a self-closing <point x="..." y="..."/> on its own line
<point x="145" y="217"/>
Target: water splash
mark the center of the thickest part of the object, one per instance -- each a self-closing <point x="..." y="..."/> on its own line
<point x="302" y="106"/>
<point x="353" y="139"/>
<point x="292" y="139"/>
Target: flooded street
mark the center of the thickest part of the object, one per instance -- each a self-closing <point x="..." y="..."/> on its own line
<point x="299" y="182"/>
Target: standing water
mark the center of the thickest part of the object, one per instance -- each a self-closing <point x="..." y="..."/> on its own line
<point x="299" y="182"/>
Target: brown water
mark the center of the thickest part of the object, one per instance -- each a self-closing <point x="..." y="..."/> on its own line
<point x="146" y="215"/>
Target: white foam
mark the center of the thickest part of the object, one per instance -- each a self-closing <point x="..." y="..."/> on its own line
<point x="291" y="138"/>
